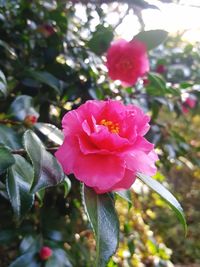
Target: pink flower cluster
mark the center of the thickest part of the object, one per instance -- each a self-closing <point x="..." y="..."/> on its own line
<point x="127" y="61"/>
<point x="104" y="145"/>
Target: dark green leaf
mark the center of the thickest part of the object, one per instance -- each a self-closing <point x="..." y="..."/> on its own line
<point x="3" y="90"/>
<point x="47" y="171"/>
<point x="26" y="260"/>
<point x="23" y="106"/>
<point x="152" y="38"/>
<point x="30" y="244"/>
<point x="46" y="78"/>
<point x="67" y="186"/>
<point x="8" y="49"/>
<point x="101" y="39"/>
<point x="2" y="77"/>
<point x="3" y="84"/>
<point x="103" y="218"/>
<point x="9" y="137"/>
<point x="3" y="191"/>
<point x="18" y="183"/>
<point x="6" y="236"/>
<point x="6" y="158"/>
<point x="50" y="131"/>
<point x="166" y="195"/>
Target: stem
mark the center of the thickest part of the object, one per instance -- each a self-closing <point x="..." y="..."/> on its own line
<point x="23" y="151"/>
<point x="6" y="121"/>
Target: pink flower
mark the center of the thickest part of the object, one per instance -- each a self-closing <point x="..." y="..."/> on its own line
<point x="45" y="253"/>
<point x="127" y="61"/>
<point x="104" y="145"/>
<point x="190" y="102"/>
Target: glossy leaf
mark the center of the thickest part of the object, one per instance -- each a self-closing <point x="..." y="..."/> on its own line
<point x="9" y="137"/>
<point x="18" y="183"/>
<point x="166" y="195"/>
<point x="101" y="39"/>
<point x="126" y="195"/>
<point x="103" y="218"/>
<point x="26" y="260"/>
<point x="3" y="84"/>
<point x="51" y="132"/>
<point x="6" y="158"/>
<point x="23" y="106"/>
<point x="67" y="186"/>
<point x="47" y="171"/>
<point x="3" y="191"/>
<point x="152" y="38"/>
<point x="46" y="78"/>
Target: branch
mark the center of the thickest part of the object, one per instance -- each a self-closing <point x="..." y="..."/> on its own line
<point x="6" y="121"/>
<point x="23" y="151"/>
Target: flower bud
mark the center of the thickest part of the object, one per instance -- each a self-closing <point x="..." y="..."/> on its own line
<point x="45" y="253"/>
<point x="30" y="120"/>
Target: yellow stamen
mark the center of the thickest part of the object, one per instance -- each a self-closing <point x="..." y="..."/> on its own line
<point x="112" y="127"/>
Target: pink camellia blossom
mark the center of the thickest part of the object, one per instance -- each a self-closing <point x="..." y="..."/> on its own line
<point x="127" y="61"/>
<point x="104" y="145"/>
<point x="189" y="103"/>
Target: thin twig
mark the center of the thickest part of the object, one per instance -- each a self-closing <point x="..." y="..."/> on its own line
<point x="6" y="121"/>
<point x="23" y="151"/>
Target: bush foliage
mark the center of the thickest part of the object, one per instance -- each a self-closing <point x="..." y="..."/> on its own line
<point x="52" y="60"/>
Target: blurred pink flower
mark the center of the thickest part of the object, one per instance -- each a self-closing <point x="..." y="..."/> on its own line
<point x="189" y="103"/>
<point x="160" y="68"/>
<point x="45" y="253"/>
<point x="104" y="145"/>
<point x="127" y="61"/>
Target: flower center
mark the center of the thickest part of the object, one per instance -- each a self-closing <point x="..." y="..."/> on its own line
<point x="112" y="127"/>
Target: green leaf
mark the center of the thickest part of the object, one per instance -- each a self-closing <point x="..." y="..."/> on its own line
<point x="46" y="78"/>
<point x="126" y="195"/>
<point x="26" y="260"/>
<point x="18" y="183"/>
<point x="9" y="137"/>
<point x="67" y="186"/>
<point x="103" y="218"/>
<point x="7" y="236"/>
<point x="8" y="49"/>
<point x="167" y="197"/>
<point x="101" y="39"/>
<point x="47" y="170"/>
<point x="152" y="38"/>
<point x="6" y="159"/>
<point x="3" y="191"/>
<point x="23" y="106"/>
<point x="51" y="132"/>
<point x="2" y="77"/>
<point x="3" y="84"/>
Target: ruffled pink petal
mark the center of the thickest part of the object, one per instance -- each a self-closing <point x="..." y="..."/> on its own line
<point x="67" y="153"/>
<point x="139" y="161"/>
<point x="142" y="144"/>
<point x="109" y="141"/>
<point x="128" y="179"/>
<point x="99" y="171"/>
